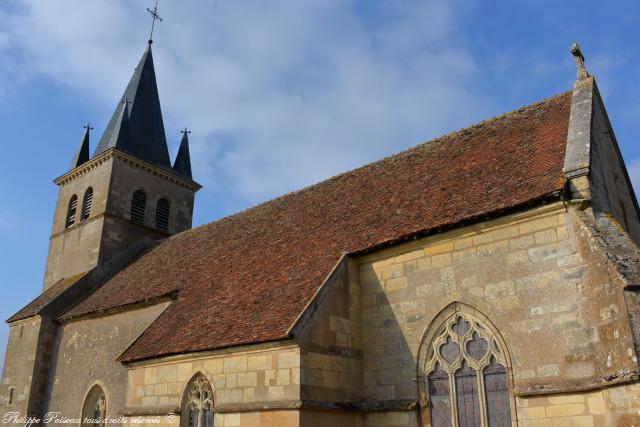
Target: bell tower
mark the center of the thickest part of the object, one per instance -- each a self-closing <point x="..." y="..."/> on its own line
<point x="127" y="192"/>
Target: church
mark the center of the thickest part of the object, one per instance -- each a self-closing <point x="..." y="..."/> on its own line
<point x="489" y="277"/>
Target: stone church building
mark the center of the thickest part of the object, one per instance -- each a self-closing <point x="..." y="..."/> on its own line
<point x="489" y="277"/>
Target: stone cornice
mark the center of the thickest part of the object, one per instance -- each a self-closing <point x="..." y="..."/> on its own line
<point x="201" y="355"/>
<point x="133" y="161"/>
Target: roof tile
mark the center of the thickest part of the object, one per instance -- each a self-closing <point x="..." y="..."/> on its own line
<point x="245" y="278"/>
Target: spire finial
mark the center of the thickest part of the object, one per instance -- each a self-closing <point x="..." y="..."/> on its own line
<point x="155" y="17"/>
<point x="88" y="127"/>
<point x="182" y="165"/>
<point x="577" y="54"/>
<point x="81" y="155"/>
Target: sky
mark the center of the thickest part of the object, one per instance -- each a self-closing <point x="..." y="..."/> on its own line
<point x="282" y="94"/>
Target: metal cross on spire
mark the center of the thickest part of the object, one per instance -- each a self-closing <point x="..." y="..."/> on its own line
<point x="155" y="17"/>
<point x="88" y="126"/>
<point x="187" y="131"/>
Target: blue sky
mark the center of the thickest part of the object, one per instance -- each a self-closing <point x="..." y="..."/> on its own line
<point x="282" y="94"/>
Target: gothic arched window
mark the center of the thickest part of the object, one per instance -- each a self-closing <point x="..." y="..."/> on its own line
<point x="138" y="206"/>
<point x="87" y="201"/>
<point x="465" y="376"/>
<point x="197" y="406"/>
<point x="162" y="214"/>
<point x="94" y="410"/>
<point x="71" y="211"/>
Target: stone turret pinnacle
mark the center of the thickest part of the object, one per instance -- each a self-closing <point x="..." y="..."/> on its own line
<point x="82" y="153"/>
<point x="137" y="127"/>
<point x="577" y="55"/>
<point x="182" y="165"/>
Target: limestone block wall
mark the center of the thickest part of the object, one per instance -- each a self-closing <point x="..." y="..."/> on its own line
<point x="331" y="341"/>
<point x="280" y="418"/>
<point x="564" y="326"/>
<point x="86" y="353"/>
<point x="19" y="362"/>
<point x="615" y="406"/>
<point x="76" y="249"/>
<point x="127" y="177"/>
<point x="611" y="190"/>
<point x="243" y="381"/>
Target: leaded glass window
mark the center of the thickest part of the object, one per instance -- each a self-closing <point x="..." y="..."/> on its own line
<point x="95" y="408"/>
<point x="466" y="379"/>
<point x="198" y="403"/>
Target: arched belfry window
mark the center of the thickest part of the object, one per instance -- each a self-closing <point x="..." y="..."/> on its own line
<point x="87" y="201"/>
<point x="197" y="403"/>
<point x="138" y="206"/>
<point x="94" y="410"/>
<point x="71" y="211"/>
<point x="162" y="214"/>
<point x="463" y="374"/>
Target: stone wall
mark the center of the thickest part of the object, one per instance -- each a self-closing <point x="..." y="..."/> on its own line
<point x="242" y="380"/>
<point x="86" y="353"/>
<point x="564" y="325"/>
<point x="19" y="365"/>
<point x="331" y="341"/>
<point x="128" y="177"/>
<point x="611" y="190"/>
<point x="113" y="177"/>
<point x="615" y="406"/>
<point x="75" y="249"/>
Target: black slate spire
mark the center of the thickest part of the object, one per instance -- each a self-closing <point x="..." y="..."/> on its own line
<point x="82" y="153"/>
<point x="182" y="165"/>
<point x="136" y="126"/>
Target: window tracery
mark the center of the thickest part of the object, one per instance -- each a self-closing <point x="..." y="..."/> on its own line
<point x="465" y="375"/>
<point x="198" y="403"/>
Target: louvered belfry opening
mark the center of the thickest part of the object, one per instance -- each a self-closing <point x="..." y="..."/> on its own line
<point x="86" y="204"/>
<point x="138" y="207"/>
<point x="162" y="215"/>
<point x="71" y="211"/>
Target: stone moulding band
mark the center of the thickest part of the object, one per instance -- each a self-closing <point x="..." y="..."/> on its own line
<point x="379" y="405"/>
<point x="115" y="153"/>
<point x="592" y="384"/>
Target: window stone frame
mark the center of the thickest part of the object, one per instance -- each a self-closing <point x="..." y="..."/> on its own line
<point x="436" y="335"/>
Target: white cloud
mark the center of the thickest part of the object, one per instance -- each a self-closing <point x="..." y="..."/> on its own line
<point x="278" y="94"/>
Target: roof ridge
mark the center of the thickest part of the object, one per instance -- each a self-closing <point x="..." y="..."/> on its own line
<point x="400" y="154"/>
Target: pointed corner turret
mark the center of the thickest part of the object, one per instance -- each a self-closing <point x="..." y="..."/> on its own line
<point x="182" y="165"/>
<point x="82" y="153"/>
<point x="143" y="136"/>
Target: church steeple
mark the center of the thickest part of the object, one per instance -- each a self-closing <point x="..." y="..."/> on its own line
<point x="182" y="165"/>
<point x="136" y="126"/>
<point x="82" y="153"/>
<point x="128" y="192"/>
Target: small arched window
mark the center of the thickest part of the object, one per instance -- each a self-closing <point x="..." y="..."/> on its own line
<point x="197" y="403"/>
<point x="86" y="204"/>
<point x="162" y="214"/>
<point x="94" y="410"/>
<point x="71" y="211"/>
<point x="138" y="207"/>
<point x="465" y="377"/>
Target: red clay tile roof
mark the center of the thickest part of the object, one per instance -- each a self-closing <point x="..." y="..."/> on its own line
<point x="245" y="278"/>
